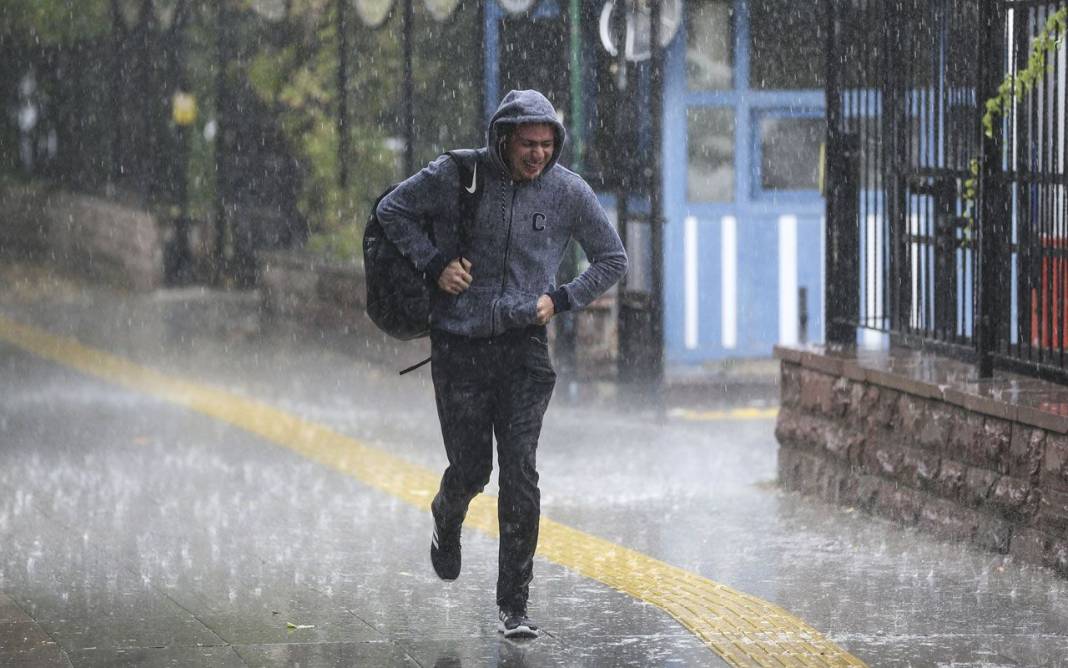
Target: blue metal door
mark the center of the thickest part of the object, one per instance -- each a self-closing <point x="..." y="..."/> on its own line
<point x="745" y="218"/>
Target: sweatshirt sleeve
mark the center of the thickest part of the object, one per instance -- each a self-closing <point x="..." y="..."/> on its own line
<point x="604" y="250"/>
<point x="408" y="212"/>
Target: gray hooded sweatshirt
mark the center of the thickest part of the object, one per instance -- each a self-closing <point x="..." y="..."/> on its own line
<point x="517" y="240"/>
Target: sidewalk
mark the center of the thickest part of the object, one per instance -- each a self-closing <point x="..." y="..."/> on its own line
<point x="151" y="518"/>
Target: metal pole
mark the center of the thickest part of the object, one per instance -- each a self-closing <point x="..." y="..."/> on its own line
<point x="342" y="96"/>
<point x="222" y="102"/>
<point x="992" y="209"/>
<point x="842" y="291"/>
<point x="184" y="263"/>
<point x="409" y="110"/>
<point x="655" y="340"/>
<point x="566" y="347"/>
<point x="893" y="83"/>
<point x="480" y="58"/>
<point x="831" y="156"/>
<point x="116" y="91"/>
<point x="146" y="150"/>
<point x="626" y="322"/>
<point x="578" y="120"/>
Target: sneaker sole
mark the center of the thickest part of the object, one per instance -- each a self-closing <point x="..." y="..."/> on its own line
<point x="443" y="578"/>
<point x="521" y="631"/>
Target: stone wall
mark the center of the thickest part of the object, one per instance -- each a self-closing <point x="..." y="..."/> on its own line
<point x="305" y="287"/>
<point x="966" y="465"/>
<point x="92" y="236"/>
<point x="596" y="338"/>
<point x="21" y="228"/>
<point x="308" y="289"/>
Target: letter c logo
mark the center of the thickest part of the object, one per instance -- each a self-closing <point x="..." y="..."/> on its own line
<point x="539" y="221"/>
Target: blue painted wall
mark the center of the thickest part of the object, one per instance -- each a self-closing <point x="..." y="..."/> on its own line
<point x="756" y="216"/>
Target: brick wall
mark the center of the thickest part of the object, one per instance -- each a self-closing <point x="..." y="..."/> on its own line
<point x="960" y="465"/>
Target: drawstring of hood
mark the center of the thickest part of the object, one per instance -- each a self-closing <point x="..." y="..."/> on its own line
<point x="520" y="107"/>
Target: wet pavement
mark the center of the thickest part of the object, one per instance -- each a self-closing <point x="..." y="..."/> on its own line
<point x="143" y="526"/>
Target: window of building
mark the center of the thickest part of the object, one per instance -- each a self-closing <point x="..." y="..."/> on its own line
<point x="709" y="42"/>
<point x="787" y="45"/>
<point x="790" y="152"/>
<point x="710" y="150"/>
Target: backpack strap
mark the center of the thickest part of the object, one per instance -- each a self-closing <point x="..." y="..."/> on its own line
<point x="469" y="192"/>
<point x="472" y="179"/>
<point x="414" y="367"/>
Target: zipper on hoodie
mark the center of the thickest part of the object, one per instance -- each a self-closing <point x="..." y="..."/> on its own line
<point x="508" y="239"/>
<point x="504" y="267"/>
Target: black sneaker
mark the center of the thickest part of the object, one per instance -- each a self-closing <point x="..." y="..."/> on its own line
<point x="445" y="552"/>
<point x="516" y="625"/>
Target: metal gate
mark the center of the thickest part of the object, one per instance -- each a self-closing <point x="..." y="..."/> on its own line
<point x="905" y="123"/>
<point x="947" y="217"/>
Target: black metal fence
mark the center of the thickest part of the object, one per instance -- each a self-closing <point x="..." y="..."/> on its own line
<point x="947" y="219"/>
<point x="305" y="110"/>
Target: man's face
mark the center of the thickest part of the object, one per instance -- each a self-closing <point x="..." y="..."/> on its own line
<point x="529" y="150"/>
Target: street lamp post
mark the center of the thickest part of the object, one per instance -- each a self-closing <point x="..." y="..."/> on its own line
<point x="342" y="96"/>
<point x="129" y="19"/>
<point x="409" y="94"/>
<point x="184" y="112"/>
<point x="147" y="147"/>
<point x="641" y="336"/>
<point x="222" y="107"/>
<point x="625" y="113"/>
<point x="171" y="17"/>
<point x="656" y="215"/>
<point x="118" y="29"/>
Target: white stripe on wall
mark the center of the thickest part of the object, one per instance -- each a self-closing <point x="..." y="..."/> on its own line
<point x="1011" y="48"/>
<point x="788" y="307"/>
<point x="729" y="282"/>
<point x="690" y="278"/>
<point x="823" y="279"/>
<point x="915" y="321"/>
<point x="874" y="315"/>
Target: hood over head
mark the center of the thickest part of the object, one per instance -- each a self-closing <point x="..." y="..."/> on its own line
<point x="518" y="108"/>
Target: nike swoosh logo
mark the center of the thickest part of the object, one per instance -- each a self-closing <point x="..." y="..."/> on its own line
<point x="474" y="180"/>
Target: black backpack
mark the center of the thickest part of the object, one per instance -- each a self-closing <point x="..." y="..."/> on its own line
<point x="398" y="296"/>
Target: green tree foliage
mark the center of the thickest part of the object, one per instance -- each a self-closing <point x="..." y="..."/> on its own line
<point x="289" y="65"/>
<point x="1017" y="84"/>
<point x="297" y="75"/>
<point x="53" y="21"/>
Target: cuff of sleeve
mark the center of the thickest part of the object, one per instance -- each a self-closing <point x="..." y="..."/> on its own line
<point x="561" y="302"/>
<point x="434" y="268"/>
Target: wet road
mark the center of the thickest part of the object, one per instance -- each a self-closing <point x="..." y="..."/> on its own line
<point x="255" y="480"/>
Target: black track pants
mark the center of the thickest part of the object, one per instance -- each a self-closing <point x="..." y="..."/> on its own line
<point x="484" y="387"/>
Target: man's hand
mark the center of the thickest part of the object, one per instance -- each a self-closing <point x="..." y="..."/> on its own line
<point x="545" y="309"/>
<point x="456" y="277"/>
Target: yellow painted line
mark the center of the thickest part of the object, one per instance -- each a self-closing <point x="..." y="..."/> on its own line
<point x="750" y="413"/>
<point x="743" y="629"/>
